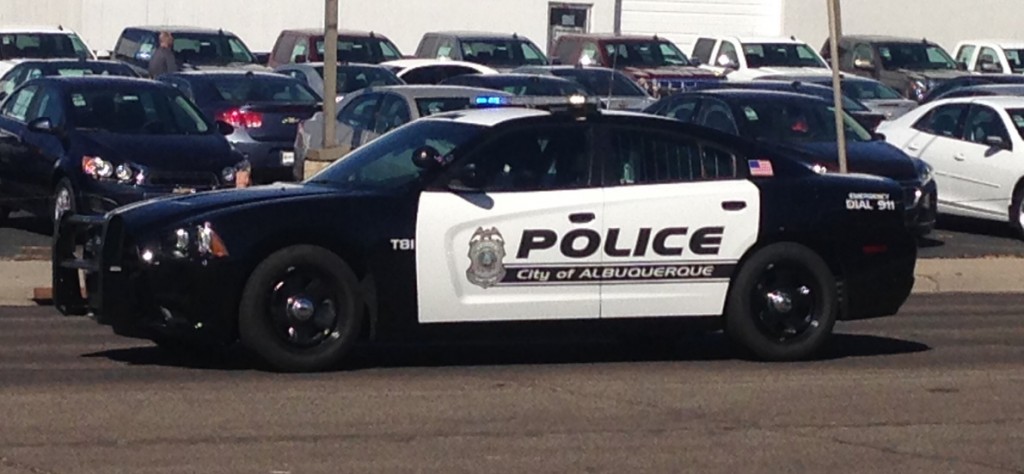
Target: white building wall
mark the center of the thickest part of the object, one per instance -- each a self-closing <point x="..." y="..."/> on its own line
<point x="944" y="21"/>
<point x="682" y="21"/>
<point x="258" y="22"/>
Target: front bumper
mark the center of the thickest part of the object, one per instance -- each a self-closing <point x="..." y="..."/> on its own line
<point x="187" y="298"/>
<point x="921" y="204"/>
<point x="877" y="285"/>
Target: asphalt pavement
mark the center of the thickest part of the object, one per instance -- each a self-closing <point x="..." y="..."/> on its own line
<point x="937" y="388"/>
<point x="25" y="238"/>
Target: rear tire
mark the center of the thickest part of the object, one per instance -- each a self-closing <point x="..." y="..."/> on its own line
<point x="301" y="310"/>
<point x="4" y="214"/>
<point x="1016" y="212"/>
<point x="782" y="304"/>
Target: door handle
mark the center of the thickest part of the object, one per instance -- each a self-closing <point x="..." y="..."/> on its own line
<point x="959" y="157"/>
<point x="914" y="147"/>
<point x="582" y="217"/>
<point x="734" y="205"/>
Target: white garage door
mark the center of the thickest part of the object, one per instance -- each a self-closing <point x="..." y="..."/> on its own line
<point x="682" y="21"/>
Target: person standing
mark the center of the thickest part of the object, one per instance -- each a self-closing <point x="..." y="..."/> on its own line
<point x="163" y="60"/>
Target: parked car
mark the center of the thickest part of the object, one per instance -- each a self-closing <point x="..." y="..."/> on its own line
<point x="32" y="69"/>
<point x="941" y="90"/>
<point x="307" y="46"/>
<point x="867" y="118"/>
<point x="911" y="66"/>
<point x="23" y="43"/>
<point x="194" y="48"/>
<point x="520" y="84"/>
<point x="976" y="148"/>
<point x="878" y="97"/>
<point x="369" y="113"/>
<point x="656" y="64"/>
<point x="351" y="77"/>
<point x="743" y="59"/>
<point x="986" y="90"/>
<point x="433" y="71"/>
<point x="89" y="145"/>
<point x="615" y="89"/>
<point x="497" y="50"/>
<point x="992" y="56"/>
<point x="263" y="108"/>
<point x="806" y="124"/>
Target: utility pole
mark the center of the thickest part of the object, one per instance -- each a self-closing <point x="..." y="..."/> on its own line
<point x="319" y="159"/>
<point x="835" y="32"/>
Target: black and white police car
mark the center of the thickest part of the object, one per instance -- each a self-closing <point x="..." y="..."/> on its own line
<point x="502" y="215"/>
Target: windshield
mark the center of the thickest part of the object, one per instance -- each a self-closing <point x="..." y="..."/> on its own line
<point x="602" y="82"/>
<point x="915" y="56"/>
<point x="781" y="55"/>
<point x="386" y="163"/>
<point x="143" y="112"/>
<point x="437" y="105"/>
<point x="1017" y="116"/>
<point x="210" y="49"/>
<point x="42" y="45"/>
<point x="1016" y="59"/>
<point x="787" y="122"/>
<point x="241" y="89"/>
<point x="870" y="90"/>
<point x="652" y="53"/>
<point x="501" y="53"/>
<point x="363" y="50"/>
<point x="353" y="78"/>
<point x="86" y="69"/>
<point x="524" y="86"/>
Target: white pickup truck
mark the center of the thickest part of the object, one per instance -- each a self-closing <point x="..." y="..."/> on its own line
<point x="992" y="56"/>
<point x="750" y="58"/>
<point x="20" y="43"/>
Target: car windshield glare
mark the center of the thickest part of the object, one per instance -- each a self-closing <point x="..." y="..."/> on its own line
<point x="263" y="89"/>
<point x="353" y="78"/>
<point x="915" y="56"/>
<point x="385" y="164"/>
<point x="780" y="55"/>
<point x="363" y="50"/>
<point x="651" y="53"/>
<point x="94" y="70"/>
<point x="140" y="112"/>
<point x="509" y="53"/>
<point x="788" y="122"/>
<point x="41" y="45"/>
<point x="210" y="49"/>
<point x="603" y="83"/>
<point x="1017" y="116"/>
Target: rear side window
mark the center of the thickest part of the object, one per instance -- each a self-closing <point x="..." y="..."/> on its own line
<point x="639" y="156"/>
<point x="943" y="121"/>
<point x="702" y="50"/>
<point x="431" y="106"/>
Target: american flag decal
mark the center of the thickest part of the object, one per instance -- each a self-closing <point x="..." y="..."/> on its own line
<point x="761" y="168"/>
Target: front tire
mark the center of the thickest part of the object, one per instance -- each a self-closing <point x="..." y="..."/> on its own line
<point x="301" y="310"/>
<point x="782" y="304"/>
<point x="64" y="200"/>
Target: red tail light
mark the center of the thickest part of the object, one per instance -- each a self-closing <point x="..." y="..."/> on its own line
<point x="240" y="118"/>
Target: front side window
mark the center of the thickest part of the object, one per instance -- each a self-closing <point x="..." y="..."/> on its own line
<point x="702" y="50"/>
<point x="139" y="112"/>
<point x="16" y="107"/>
<point x="639" y="156"/>
<point x="781" y="55"/>
<point x="48" y="106"/>
<point x="727" y="54"/>
<point x="984" y="122"/>
<point x="653" y="53"/>
<point x="1017" y="117"/>
<point x="942" y="121"/>
<point x="965" y="53"/>
<point x="988" y="56"/>
<point x="539" y="158"/>
<point x="682" y="110"/>
<point x="864" y="52"/>
<point x="1016" y="59"/>
<point x="41" y="46"/>
<point x="386" y="163"/>
<point x="717" y="115"/>
<point x="915" y="57"/>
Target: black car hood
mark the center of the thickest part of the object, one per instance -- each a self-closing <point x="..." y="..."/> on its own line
<point x="875" y="158"/>
<point x="164" y="152"/>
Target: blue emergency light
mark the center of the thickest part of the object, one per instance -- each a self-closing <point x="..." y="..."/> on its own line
<point x="490" y="100"/>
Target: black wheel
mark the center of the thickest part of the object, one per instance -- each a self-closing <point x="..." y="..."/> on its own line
<point x="64" y="200"/>
<point x="782" y="304"/>
<point x="4" y="214"/>
<point x="1017" y="212"/>
<point x="301" y="310"/>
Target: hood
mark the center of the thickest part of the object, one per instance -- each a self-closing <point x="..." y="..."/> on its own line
<point x="627" y="103"/>
<point x="875" y="158"/>
<point x="793" y="71"/>
<point x="935" y="75"/>
<point x="226" y="67"/>
<point x="891" y="109"/>
<point x="670" y="72"/>
<point x="170" y="209"/>
<point x="209" y="152"/>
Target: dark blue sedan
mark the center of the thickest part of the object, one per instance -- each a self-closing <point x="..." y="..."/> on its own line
<point x="89" y="145"/>
<point x="265" y="110"/>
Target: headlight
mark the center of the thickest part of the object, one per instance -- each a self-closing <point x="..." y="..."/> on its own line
<point x="925" y="174"/>
<point x="918" y="88"/>
<point x="201" y="241"/>
<point x="228" y="174"/>
<point x="126" y="173"/>
<point x="96" y="167"/>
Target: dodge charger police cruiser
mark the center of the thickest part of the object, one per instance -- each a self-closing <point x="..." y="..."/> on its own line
<point x="502" y="215"/>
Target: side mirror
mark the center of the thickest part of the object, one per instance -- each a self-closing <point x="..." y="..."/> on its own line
<point x="103" y="54"/>
<point x="556" y="61"/>
<point x="990" y="67"/>
<point x="466" y="180"/>
<point x="995" y="141"/>
<point x="42" y="125"/>
<point x="261" y="58"/>
<point x="863" y="64"/>
<point x="961" y="65"/>
<point x="225" y="128"/>
<point x="726" y="62"/>
<point x="427" y="158"/>
<point x="696" y="62"/>
<point x="299" y="58"/>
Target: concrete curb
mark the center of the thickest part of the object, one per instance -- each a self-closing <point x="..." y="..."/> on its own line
<point x="18" y="280"/>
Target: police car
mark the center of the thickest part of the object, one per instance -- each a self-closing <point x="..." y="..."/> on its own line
<point x="502" y="215"/>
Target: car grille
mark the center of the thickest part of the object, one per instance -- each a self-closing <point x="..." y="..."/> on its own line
<point x="685" y="84"/>
<point x="182" y="178"/>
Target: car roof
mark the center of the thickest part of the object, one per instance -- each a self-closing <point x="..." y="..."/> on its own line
<point x="1001" y="101"/>
<point x="992" y="88"/>
<point x="562" y="67"/>
<point x="741" y="94"/>
<point x="317" y="64"/>
<point x="478" y="34"/>
<point x="349" y="33"/>
<point x="424" y="91"/>
<point x="90" y="82"/>
<point x="228" y="73"/>
<point x="182" y="29"/>
<point x="614" y="36"/>
<point x="420" y="62"/>
<point x="818" y="79"/>
<point x="885" y="39"/>
<point x="1001" y="43"/>
<point x="35" y="29"/>
<point x="517" y="76"/>
<point x="758" y="39"/>
<point x="69" y="61"/>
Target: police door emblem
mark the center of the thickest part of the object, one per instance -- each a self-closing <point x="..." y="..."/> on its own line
<point x="486" y="252"/>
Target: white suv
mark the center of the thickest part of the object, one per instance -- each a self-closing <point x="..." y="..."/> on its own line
<point x="751" y="58"/>
<point x="20" y="43"/>
<point x="992" y="56"/>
